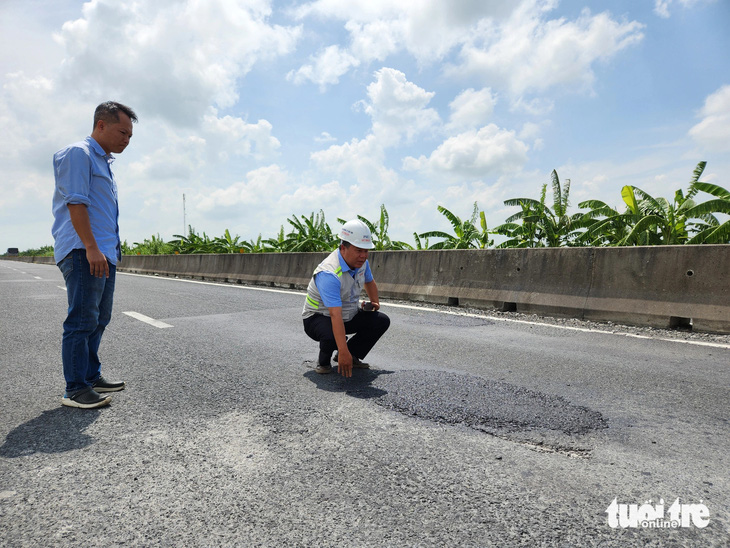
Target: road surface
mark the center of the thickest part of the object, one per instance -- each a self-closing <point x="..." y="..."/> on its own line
<point x="469" y="430"/>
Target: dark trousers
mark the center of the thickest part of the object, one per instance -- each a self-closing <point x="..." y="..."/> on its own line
<point x="368" y="326"/>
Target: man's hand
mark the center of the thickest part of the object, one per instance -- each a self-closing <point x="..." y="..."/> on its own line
<point x="98" y="265"/>
<point x="80" y="221"/>
<point x="344" y="362"/>
<point x="371" y="289"/>
<point x="344" y="358"/>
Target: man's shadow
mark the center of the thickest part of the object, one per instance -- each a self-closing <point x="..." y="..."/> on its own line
<point x="358" y="386"/>
<point x="55" y="431"/>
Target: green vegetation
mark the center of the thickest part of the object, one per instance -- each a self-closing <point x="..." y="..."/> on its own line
<point x="647" y="220"/>
<point x="45" y="251"/>
<point x="466" y="234"/>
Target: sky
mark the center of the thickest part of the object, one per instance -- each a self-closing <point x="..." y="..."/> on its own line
<point x="257" y="110"/>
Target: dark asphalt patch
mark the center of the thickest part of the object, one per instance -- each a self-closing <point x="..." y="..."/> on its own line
<point x="453" y="398"/>
<point x="490" y="405"/>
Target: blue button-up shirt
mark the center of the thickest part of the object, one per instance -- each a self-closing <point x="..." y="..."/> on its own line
<point x="84" y="176"/>
<point x="328" y="284"/>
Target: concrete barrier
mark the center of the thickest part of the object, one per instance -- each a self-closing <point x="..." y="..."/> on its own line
<point x="288" y="270"/>
<point x="664" y="286"/>
<point x="38" y="260"/>
<point x="659" y="286"/>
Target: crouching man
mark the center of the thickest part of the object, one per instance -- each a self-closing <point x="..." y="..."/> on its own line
<point x="332" y="308"/>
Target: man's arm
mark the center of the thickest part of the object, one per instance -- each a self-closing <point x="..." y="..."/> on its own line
<point x="99" y="266"/>
<point x="372" y="290"/>
<point x="344" y="358"/>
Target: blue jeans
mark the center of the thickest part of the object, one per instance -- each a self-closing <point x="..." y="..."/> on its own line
<point x="89" y="312"/>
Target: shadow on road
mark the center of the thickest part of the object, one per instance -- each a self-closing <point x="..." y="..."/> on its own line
<point x="357" y="386"/>
<point x="55" y="431"/>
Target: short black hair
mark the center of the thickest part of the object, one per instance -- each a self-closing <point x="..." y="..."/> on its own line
<point x="109" y="112"/>
<point x="346" y="244"/>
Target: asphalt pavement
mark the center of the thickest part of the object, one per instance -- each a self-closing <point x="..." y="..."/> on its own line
<point x="469" y="430"/>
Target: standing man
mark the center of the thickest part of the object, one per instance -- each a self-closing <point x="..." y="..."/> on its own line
<point x="331" y="310"/>
<point x="87" y="249"/>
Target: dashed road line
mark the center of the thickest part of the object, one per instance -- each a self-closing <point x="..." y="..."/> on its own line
<point x="148" y="320"/>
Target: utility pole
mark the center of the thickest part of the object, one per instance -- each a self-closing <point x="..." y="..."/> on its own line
<point x="185" y="224"/>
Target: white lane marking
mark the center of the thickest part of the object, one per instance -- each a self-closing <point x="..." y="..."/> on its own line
<point x="237" y="286"/>
<point x="453" y="313"/>
<point x="59" y="287"/>
<point x="147" y="319"/>
<point x="37" y="277"/>
<point x="567" y="327"/>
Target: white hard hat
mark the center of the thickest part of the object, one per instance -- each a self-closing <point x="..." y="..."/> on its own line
<point x="357" y="233"/>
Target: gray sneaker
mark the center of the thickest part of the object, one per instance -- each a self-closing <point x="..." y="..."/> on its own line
<point x="103" y="385"/>
<point x="88" y="399"/>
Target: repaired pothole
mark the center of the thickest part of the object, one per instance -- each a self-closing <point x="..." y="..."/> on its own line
<point x="473" y="401"/>
<point x="543" y="422"/>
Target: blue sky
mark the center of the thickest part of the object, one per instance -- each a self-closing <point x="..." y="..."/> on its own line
<point x="260" y="110"/>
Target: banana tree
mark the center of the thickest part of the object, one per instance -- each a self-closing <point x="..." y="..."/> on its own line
<point x="647" y="220"/>
<point x="311" y="234"/>
<point x="542" y="226"/>
<point x="420" y="245"/>
<point x="659" y="220"/>
<point x="466" y="234"/>
<point x="154" y="245"/>
<point x="522" y="234"/>
<point x="710" y="230"/>
<point x="270" y="244"/>
<point x="229" y="244"/>
<point x="192" y="243"/>
<point x="379" y="231"/>
<point x="605" y="226"/>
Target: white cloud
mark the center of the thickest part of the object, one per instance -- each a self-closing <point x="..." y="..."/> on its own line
<point x="20" y="98"/>
<point x="398" y="107"/>
<point x="254" y="191"/>
<point x="427" y="29"/>
<point x="530" y="54"/>
<point x="230" y="136"/>
<point x="713" y="132"/>
<point x="326" y="68"/>
<point x="359" y="156"/>
<point x="661" y="7"/>
<point x="306" y="198"/>
<point x="375" y="40"/>
<point x="488" y="151"/>
<point x="324" y="137"/>
<point x="513" y="44"/>
<point x="471" y="109"/>
<point x="538" y="106"/>
<point x="532" y="132"/>
<point x="167" y="59"/>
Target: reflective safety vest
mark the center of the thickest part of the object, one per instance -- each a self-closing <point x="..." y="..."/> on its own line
<point x="350" y="289"/>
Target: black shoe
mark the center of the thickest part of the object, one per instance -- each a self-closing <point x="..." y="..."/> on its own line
<point x="103" y="385"/>
<point x="323" y="369"/>
<point x="88" y="399"/>
<point x="357" y="363"/>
